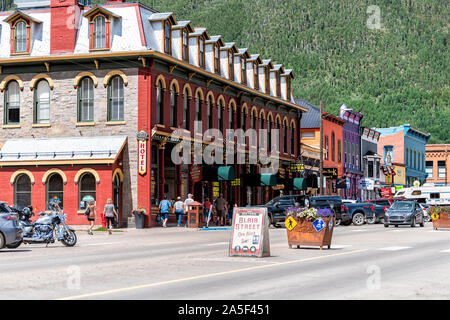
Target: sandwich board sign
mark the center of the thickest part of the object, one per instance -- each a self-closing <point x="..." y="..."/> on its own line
<point x="250" y="233"/>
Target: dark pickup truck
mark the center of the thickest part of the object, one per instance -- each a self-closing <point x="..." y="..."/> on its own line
<point x="276" y="207"/>
<point x="359" y="213"/>
<point x="334" y="203"/>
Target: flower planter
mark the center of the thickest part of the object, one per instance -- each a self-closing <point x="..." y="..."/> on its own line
<point x="443" y="221"/>
<point x="304" y="233"/>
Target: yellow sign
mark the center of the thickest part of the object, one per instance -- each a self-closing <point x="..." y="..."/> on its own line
<point x="290" y="223"/>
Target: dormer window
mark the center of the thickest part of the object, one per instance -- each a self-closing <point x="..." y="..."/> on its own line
<point x="167" y="38"/>
<point x="288" y="88"/>
<point x="185" y="46"/>
<point x="267" y="78"/>
<point x="243" y="71"/>
<point x="278" y="84"/>
<point x="255" y="75"/>
<point x="217" y="59"/>
<point x="100" y="21"/>
<point x="231" y="65"/>
<point x="20" y="37"/>
<point x="201" y="52"/>
<point x="99" y="32"/>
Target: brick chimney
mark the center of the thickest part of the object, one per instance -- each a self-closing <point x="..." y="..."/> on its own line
<point x="65" y="17"/>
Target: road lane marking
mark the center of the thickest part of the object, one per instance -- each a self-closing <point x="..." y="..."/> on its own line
<point x="393" y="248"/>
<point x="216" y="244"/>
<point x="445" y="251"/>
<point x="340" y="246"/>
<point x="359" y="230"/>
<point x="82" y="296"/>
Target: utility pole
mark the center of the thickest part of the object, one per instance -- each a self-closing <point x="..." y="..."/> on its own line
<point x="321" y="149"/>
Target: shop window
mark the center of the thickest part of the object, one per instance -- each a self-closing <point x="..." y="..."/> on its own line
<point x="86" y="100"/>
<point x="42" y="102"/>
<point x="160" y="103"/>
<point x="173" y="106"/>
<point x="86" y="190"/>
<point x="99" y="33"/>
<point x="20" y="37"/>
<point x="22" y="191"/>
<point x="12" y="103"/>
<point x="116" y="99"/>
<point x="54" y="189"/>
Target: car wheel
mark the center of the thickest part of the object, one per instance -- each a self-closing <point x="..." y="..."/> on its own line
<point x="2" y="240"/>
<point x="413" y="222"/>
<point x="358" y="219"/>
<point x="427" y="219"/>
<point x="337" y="222"/>
<point x="396" y="225"/>
<point x="386" y="225"/>
<point x="371" y="220"/>
<point x="14" y="245"/>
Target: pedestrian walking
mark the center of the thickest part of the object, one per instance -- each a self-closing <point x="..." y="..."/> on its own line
<point x="188" y="201"/>
<point x="164" y="209"/>
<point x="207" y="206"/>
<point x="221" y="208"/>
<point x="109" y="212"/>
<point x="179" y="205"/>
<point x="91" y="213"/>
<point x="231" y="207"/>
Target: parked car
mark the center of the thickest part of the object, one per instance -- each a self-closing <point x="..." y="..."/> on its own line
<point x="10" y="233"/>
<point x="277" y="206"/>
<point x="359" y="213"/>
<point x="334" y="203"/>
<point x="404" y="213"/>
<point x="425" y="208"/>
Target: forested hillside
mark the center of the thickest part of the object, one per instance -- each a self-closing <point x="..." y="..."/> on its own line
<point x="396" y="74"/>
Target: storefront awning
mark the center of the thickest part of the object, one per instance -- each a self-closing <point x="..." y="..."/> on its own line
<point x="43" y="151"/>
<point x="300" y="184"/>
<point x="268" y="180"/>
<point x="225" y="173"/>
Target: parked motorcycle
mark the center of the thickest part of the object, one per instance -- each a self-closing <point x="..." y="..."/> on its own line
<point x="47" y="226"/>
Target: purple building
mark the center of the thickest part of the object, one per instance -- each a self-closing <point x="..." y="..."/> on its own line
<point x="352" y="150"/>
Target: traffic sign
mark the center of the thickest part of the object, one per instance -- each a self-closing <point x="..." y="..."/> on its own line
<point x="319" y="224"/>
<point x="290" y="223"/>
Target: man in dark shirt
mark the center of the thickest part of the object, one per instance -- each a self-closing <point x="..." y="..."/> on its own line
<point x="221" y="208"/>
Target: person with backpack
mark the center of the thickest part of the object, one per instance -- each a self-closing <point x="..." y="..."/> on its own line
<point x="164" y="209"/>
<point x="179" y="205"/>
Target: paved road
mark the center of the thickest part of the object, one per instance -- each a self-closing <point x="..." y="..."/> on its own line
<point x="368" y="262"/>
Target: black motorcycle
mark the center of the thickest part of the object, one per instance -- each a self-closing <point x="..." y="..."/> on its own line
<point x="47" y="226"/>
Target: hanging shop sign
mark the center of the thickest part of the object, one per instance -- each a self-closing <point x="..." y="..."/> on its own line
<point x="386" y="192"/>
<point x="236" y="182"/>
<point x="216" y="189"/>
<point x="297" y="167"/>
<point x="250" y="234"/>
<point x="196" y="173"/>
<point x="330" y="173"/>
<point x="142" y="153"/>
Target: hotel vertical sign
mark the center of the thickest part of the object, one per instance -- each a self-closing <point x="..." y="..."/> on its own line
<point x="142" y="138"/>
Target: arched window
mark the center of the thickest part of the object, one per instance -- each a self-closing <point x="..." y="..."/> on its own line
<point x="269" y="134"/>
<point x="42" y="102"/>
<point x="254" y="121"/>
<point x="99" y="33"/>
<point x="220" y="116"/>
<point x="55" y="189"/>
<point x="332" y="146"/>
<point x="167" y="48"/>
<point x="292" y="140"/>
<point x="22" y="191"/>
<point x="160" y="103"/>
<point x="12" y="103"/>
<point x="173" y="106"/>
<point x="198" y="108"/>
<point x="285" y="135"/>
<point x="339" y="151"/>
<point x="186" y="111"/>
<point x="278" y="126"/>
<point x="230" y="118"/>
<point x="244" y="120"/>
<point x="209" y="113"/>
<point x="86" y="100"/>
<point x="116" y="99"/>
<point x="20" y="37"/>
<point x="86" y="190"/>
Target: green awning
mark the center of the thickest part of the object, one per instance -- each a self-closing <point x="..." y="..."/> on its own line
<point x="225" y="173"/>
<point x="268" y="180"/>
<point x="300" y="184"/>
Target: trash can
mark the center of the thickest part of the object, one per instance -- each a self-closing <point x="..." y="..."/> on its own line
<point x="139" y="219"/>
<point x="195" y="214"/>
